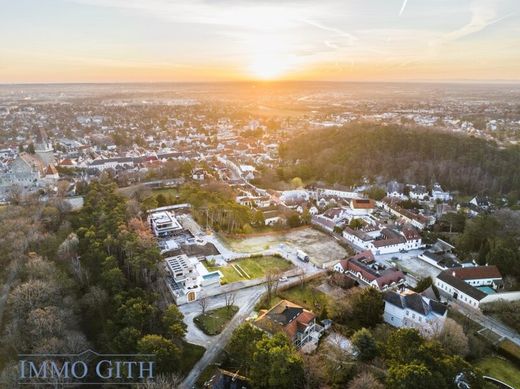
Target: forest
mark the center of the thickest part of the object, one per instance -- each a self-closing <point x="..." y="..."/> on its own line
<point x="87" y="279"/>
<point x="422" y="156"/>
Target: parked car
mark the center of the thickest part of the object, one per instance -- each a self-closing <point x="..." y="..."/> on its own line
<point x="283" y="279"/>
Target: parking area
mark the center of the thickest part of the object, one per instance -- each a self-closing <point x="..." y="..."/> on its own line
<point x="409" y="262"/>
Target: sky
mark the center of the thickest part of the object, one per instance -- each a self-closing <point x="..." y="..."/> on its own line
<point x="228" y="40"/>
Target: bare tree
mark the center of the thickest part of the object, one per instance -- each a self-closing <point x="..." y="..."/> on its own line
<point x="365" y="380"/>
<point x="229" y="298"/>
<point x="203" y="303"/>
<point x="272" y="278"/>
<point x="452" y="337"/>
<point x="301" y="276"/>
<point x="170" y="381"/>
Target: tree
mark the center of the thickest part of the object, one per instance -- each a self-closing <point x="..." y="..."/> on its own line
<point x="276" y="363"/>
<point x="229" y="299"/>
<point x="356" y="223"/>
<point x="365" y="344"/>
<point x="167" y="354"/>
<point x="203" y="304"/>
<point x="368" y="307"/>
<point x="453" y="338"/>
<point x="297" y="182"/>
<point x="402" y="345"/>
<point x="173" y="321"/>
<point x="410" y="376"/>
<point x="272" y="278"/>
<point x="161" y="200"/>
<point x="242" y="345"/>
<point x="365" y="380"/>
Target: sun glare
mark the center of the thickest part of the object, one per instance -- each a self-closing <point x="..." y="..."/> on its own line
<point x="267" y="68"/>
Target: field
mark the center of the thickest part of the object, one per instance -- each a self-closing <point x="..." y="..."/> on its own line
<point x="254" y="267"/>
<point x="307" y="295"/>
<point x="500" y="369"/>
<point x="214" y="321"/>
<point x="320" y="247"/>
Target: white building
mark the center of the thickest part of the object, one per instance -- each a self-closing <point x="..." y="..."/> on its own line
<point x="411" y="310"/>
<point x="470" y="285"/>
<point x="439" y="194"/>
<point x="188" y="277"/>
<point x="164" y="223"/>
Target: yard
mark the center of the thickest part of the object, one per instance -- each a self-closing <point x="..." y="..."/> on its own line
<point x="250" y="268"/>
<point x="501" y="369"/>
<point x="214" y="321"/>
<point x="307" y="295"/>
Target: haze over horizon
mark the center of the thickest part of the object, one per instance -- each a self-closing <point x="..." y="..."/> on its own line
<point x="68" y="41"/>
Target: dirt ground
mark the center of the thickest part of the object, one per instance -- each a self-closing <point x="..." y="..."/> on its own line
<point x="320" y="247"/>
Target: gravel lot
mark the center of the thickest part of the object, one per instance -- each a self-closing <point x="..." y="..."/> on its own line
<point x="321" y="248"/>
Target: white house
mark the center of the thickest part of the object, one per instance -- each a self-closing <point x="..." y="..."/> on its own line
<point x="164" y="223"/>
<point x="188" y="277"/>
<point x="418" y="192"/>
<point x="439" y="194"/>
<point x="412" y="310"/>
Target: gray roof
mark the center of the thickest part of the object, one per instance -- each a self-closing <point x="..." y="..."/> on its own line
<point x="460" y="285"/>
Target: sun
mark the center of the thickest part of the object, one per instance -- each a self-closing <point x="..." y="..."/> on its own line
<point x="268" y="68"/>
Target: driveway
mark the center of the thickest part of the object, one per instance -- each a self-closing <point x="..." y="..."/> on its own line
<point x="246" y="299"/>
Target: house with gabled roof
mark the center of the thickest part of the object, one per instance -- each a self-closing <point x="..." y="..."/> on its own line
<point x="470" y="285"/>
<point x="366" y="270"/>
<point x="298" y="323"/>
<point x="413" y="310"/>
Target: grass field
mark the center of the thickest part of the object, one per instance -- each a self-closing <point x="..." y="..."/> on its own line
<point x="214" y="321"/>
<point x="500" y="369"/>
<point x="255" y="267"/>
<point x="306" y="295"/>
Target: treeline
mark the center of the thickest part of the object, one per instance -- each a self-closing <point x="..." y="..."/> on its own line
<point x="346" y="155"/>
<point x="494" y="240"/>
<point x="114" y="260"/>
<point x="39" y="309"/>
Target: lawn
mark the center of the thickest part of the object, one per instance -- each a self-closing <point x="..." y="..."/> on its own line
<point x="306" y="295"/>
<point x="501" y="369"/>
<point x="250" y="268"/>
<point x="214" y="321"/>
<point x="191" y="353"/>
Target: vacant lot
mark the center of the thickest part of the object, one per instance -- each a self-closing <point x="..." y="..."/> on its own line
<point x="320" y="247"/>
<point x="250" y="268"/>
<point x="500" y="369"/>
<point x="214" y="321"/>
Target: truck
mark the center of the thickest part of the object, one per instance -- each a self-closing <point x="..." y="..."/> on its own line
<point x="302" y="256"/>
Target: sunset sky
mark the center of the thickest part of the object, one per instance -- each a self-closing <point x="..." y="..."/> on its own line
<point x="217" y="40"/>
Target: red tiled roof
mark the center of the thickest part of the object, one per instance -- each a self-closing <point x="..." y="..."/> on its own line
<point x="478" y="272"/>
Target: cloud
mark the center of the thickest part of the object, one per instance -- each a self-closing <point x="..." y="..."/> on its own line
<point x="403" y="7"/>
<point x="483" y="15"/>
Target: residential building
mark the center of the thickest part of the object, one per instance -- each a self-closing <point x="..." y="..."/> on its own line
<point x="164" y="223"/>
<point x="439" y="194"/>
<point x="298" y="323"/>
<point x="188" y="277"/>
<point x="367" y="271"/>
<point x="412" y="310"/>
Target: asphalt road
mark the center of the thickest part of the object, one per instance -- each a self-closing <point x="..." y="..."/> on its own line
<point x="246" y="299"/>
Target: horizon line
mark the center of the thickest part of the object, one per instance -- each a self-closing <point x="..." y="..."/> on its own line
<point x="252" y="81"/>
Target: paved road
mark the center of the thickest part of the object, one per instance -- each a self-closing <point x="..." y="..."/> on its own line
<point x="487" y="322"/>
<point x="214" y="345"/>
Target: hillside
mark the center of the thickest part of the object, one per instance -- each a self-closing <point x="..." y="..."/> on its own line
<point x="345" y="155"/>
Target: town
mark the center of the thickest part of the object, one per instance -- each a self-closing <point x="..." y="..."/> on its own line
<point x="185" y="219"/>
